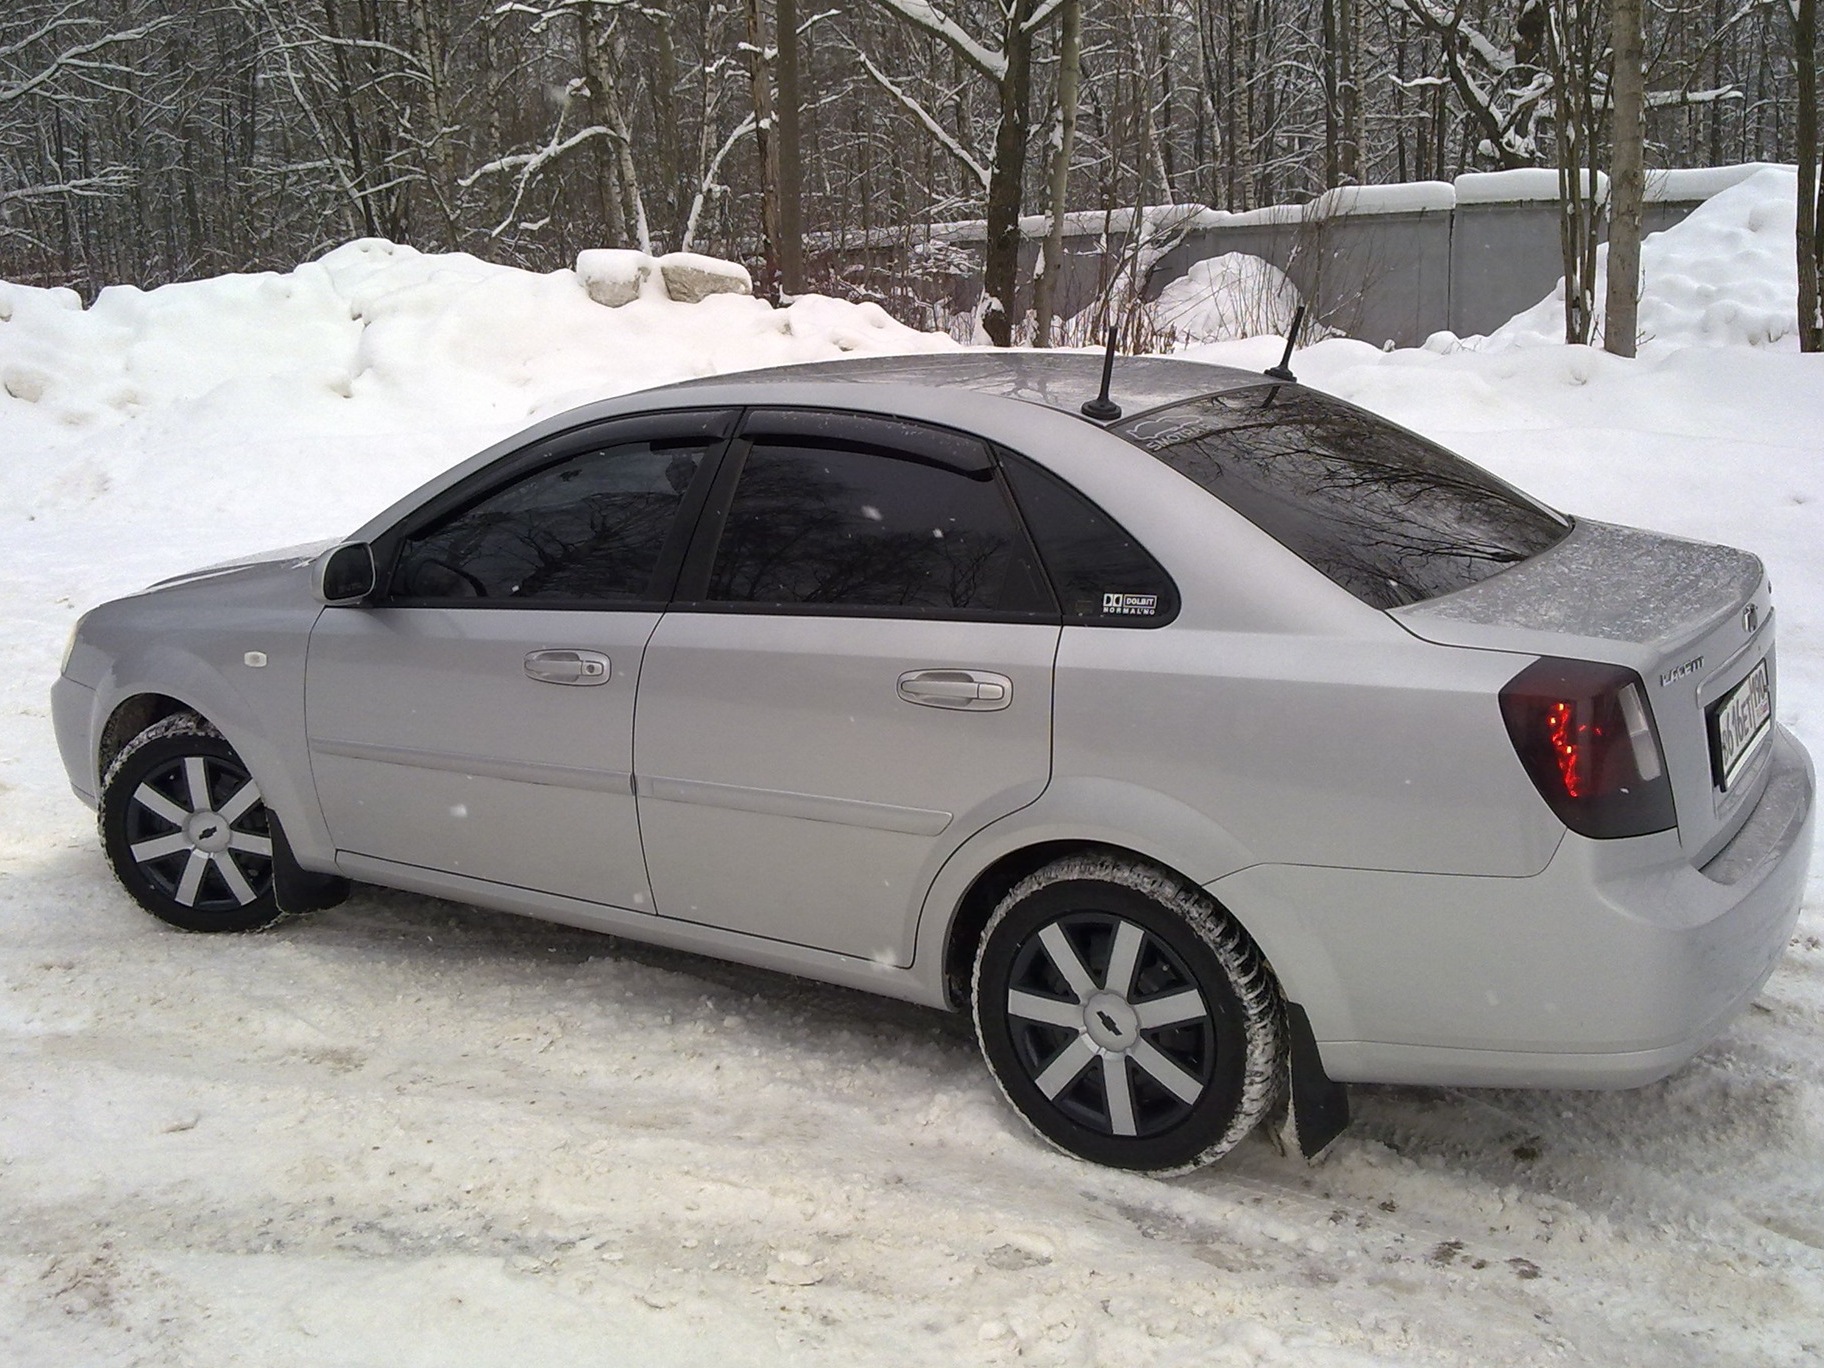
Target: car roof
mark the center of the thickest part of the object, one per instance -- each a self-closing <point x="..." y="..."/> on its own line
<point x="1055" y="379"/>
<point x="1029" y="402"/>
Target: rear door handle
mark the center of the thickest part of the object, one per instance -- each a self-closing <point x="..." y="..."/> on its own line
<point x="568" y="667"/>
<point x="973" y="690"/>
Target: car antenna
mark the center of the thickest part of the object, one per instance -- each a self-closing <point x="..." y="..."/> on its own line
<point x="1102" y="408"/>
<point x="1283" y="371"/>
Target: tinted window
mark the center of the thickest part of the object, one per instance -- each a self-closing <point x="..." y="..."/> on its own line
<point x="1386" y="514"/>
<point x="821" y="520"/>
<point x="1100" y="573"/>
<point x="588" y="528"/>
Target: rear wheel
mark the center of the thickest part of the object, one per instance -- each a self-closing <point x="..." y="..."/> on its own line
<point x="1127" y="1017"/>
<point x="185" y="828"/>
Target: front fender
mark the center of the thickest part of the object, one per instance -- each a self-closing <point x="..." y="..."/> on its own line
<point x="243" y="671"/>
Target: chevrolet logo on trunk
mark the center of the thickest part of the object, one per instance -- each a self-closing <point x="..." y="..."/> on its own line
<point x="1751" y="618"/>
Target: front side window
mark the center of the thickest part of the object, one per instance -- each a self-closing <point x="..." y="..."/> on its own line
<point x="588" y="528"/>
<point x="1384" y="513"/>
<point x="822" y="516"/>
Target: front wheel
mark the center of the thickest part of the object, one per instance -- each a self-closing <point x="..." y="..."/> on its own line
<point x="1126" y="1016"/>
<point x="186" y="831"/>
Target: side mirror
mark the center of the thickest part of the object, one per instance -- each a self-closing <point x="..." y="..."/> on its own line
<point x="345" y="574"/>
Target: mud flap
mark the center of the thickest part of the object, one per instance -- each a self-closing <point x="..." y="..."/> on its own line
<point x="1317" y="1107"/>
<point x="294" y="888"/>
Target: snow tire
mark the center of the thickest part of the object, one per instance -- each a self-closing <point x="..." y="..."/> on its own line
<point x="1127" y="1017"/>
<point x="186" y="831"/>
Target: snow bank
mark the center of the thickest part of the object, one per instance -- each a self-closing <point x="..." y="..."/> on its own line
<point x="1230" y="296"/>
<point x="380" y="323"/>
<point x="1690" y="184"/>
<point x="1726" y="276"/>
<point x="374" y="368"/>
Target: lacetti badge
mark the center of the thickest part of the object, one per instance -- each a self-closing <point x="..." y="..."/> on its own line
<point x="1690" y="667"/>
<point x="1131" y="605"/>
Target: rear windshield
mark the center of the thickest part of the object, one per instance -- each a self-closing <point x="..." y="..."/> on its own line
<point x="1389" y="516"/>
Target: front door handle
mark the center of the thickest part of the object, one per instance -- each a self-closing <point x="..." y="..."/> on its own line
<point x="973" y="690"/>
<point x="568" y="667"/>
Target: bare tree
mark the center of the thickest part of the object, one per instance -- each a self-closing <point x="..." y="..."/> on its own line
<point x="790" y="150"/>
<point x="1503" y="83"/>
<point x="1809" y="243"/>
<point x="1051" y="264"/>
<point x="1627" y="180"/>
<point x="149" y="140"/>
<point x="1008" y="70"/>
<point x="760" y="85"/>
<point x="1578" y="50"/>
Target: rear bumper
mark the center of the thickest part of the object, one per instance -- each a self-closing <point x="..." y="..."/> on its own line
<point x="1610" y="968"/>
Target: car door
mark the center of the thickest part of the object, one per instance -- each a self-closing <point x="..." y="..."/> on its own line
<point x="856" y="678"/>
<point x="478" y="720"/>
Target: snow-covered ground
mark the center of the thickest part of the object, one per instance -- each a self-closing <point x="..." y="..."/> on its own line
<point x="407" y="1132"/>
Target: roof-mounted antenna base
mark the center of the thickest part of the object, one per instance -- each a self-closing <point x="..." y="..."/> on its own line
<point x="1283" y="371"/>
<point x="1102" y="408"/>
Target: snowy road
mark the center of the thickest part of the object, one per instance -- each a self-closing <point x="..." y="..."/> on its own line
<point x="407" y="1132"/>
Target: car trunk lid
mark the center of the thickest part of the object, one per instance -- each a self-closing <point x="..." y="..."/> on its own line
<point x="1694" y="620"/>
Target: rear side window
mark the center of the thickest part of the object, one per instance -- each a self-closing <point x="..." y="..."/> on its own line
<point x="1101" y="574"/>
<point x="1389" y="516"/>
<point x="839" y="512"/>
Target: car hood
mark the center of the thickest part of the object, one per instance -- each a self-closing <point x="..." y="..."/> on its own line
<point x="291" y="557"/>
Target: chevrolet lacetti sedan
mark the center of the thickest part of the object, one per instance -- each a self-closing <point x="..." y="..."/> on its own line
<point x="1215" y="751"/>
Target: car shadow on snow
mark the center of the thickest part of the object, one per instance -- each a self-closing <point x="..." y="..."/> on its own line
<point x="1699" y="1140"/>
<point x="434" y="929"/>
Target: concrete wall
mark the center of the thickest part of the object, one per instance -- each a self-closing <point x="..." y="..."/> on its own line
<point x="1380" y="263"/>
<point x="1503" y="258"/>
<point x="1373" y="276"/>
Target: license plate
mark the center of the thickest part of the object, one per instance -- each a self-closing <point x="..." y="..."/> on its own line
<point x="1739" y="721"/>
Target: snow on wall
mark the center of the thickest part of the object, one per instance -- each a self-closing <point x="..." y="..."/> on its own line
<point x="1412" y="197"/>
<point x="1520" y="186"/>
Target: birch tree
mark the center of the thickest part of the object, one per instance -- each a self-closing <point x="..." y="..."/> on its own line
<point x="1044" y="287"/>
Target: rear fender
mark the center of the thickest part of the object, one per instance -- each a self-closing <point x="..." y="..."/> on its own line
<point x="1078" y="812"/>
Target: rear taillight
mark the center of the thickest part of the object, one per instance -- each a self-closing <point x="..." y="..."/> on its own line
<point x="1585" y="734"/>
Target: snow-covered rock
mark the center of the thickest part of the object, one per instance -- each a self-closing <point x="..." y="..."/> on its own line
<point x="614" y="275"/>
<point x="691" y="278"/>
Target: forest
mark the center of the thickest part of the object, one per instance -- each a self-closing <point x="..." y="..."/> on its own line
<point x="147" y="141"/>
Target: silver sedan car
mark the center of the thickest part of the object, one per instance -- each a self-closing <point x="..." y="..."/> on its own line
<point x="1215" y="745"/>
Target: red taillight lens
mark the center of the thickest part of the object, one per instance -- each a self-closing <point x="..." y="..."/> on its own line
<point x="1585" y="734"/>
